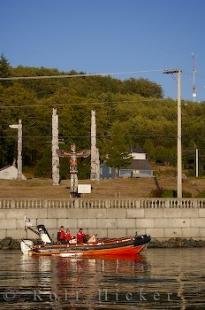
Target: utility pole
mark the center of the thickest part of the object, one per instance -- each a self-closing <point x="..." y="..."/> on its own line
<point x="55" y="157"/>
<point x="19" y="147"/>
<point x="179" y="142"/>
<point x="197" y="163"/>
<point x="95" y="161"/>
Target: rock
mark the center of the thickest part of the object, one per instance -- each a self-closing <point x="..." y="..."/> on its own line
<point x="176" y="243"/>
<point x="5" y="243"/>
<point x="9" y="243"/>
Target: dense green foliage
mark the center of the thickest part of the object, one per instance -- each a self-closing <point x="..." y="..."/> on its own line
<point x="129" y="113"/>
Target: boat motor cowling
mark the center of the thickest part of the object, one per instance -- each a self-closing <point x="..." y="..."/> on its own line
<point x="43" y="233"/>
<point x="142" y="239"/>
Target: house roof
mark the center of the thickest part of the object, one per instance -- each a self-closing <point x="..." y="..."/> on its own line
<point x="140" y="164"/>
<point x="3" y="168"/>
<point x="137" y="149"/>
<point x="10" y="173"/>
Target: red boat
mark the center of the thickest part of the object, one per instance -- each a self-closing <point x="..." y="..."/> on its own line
<point x="127" y="246"/>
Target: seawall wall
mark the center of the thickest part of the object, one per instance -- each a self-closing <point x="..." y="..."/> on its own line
<point x="161" y="218"/>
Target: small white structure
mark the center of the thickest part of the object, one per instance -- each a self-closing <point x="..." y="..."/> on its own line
<point x="10" y="173"/>
<point x="138" y="155"/>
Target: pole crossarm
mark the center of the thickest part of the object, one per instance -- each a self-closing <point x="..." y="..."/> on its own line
<point x="172" y="71"/>
<point x="14" y="126"/>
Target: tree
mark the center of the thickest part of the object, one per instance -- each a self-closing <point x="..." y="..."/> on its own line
<point x="117" y="148"/>
<point x="4" y="67"/>
<point x="124" y="118"/>
<point x="143" y="87"/>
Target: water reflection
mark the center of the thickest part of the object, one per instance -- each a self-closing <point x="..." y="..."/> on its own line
<point x="163" y="279"/>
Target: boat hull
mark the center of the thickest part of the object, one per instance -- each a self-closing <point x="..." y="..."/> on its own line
<point x="102" y="247"/>
<point x="122" y="251"/>
<point x="89" y="251"/>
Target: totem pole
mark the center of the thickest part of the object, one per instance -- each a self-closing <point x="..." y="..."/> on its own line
<point x="19" y="160"/>
<point x="73" y="155"/>
<point x="95" y="161"/>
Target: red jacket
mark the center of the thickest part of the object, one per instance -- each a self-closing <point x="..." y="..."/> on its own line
<point x="67" y="236"/>
<point x="61" y="235"/>
<point x="81" y="237"/>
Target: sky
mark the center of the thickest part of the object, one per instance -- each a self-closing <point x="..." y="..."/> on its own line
<point x="128" y="38"/>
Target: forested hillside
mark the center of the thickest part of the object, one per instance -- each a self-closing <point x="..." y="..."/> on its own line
<point x="129" y="113"/>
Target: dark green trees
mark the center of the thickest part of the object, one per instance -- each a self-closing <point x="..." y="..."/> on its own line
<point x="4" y="66"/>
<point x="129" y="113"/>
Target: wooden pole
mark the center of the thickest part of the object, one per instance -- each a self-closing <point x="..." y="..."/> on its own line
<point x="55" y="157"/>
<point x="95" y="162"/>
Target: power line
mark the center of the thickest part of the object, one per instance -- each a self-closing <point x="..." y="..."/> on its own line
<point x="97" y="103"/>
<point x="151" y="135"/>
<point x="61" y="76"/>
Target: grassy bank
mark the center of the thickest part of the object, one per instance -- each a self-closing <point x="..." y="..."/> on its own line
<point x="104" y="189"/>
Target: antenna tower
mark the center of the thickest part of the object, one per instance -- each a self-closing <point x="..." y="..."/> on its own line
<point x="193" y="77"/>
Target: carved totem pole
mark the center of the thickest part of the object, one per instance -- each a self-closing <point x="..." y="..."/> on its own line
<point x="73" y="155"/>
<point x="19" y="160"/>
<point x="95" y="161"/>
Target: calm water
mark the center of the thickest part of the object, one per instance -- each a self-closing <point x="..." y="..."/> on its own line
<point x="161" y="279"/>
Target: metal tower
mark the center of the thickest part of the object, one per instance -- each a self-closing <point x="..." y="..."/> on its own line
<point x="193" y="77"/>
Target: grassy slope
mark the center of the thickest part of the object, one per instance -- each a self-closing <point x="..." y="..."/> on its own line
<point x="118" y="188"/>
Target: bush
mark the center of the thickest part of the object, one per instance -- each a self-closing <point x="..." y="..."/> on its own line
<point x="169" y="193"/>
<point x="44" y="165"/>
<point x="201" y="195"/>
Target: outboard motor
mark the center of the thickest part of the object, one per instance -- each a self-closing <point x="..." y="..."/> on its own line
<point x="44" y="235"/>
<point x="142" y="239"/>
<point x="26" y="246"/>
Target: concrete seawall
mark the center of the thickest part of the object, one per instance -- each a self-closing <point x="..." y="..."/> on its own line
<point x="161" y="218"/>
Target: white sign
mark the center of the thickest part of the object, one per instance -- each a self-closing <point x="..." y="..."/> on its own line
<point x="84" y="188"/>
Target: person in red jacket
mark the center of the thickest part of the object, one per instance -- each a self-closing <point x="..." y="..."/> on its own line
<point x="68" y="236"/>
<point x="81" y="236"/>
<point x="61" y="235"/>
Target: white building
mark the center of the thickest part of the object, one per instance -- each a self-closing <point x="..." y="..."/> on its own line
<point x="10" y="173"/>
<point x="139" y="166"/>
